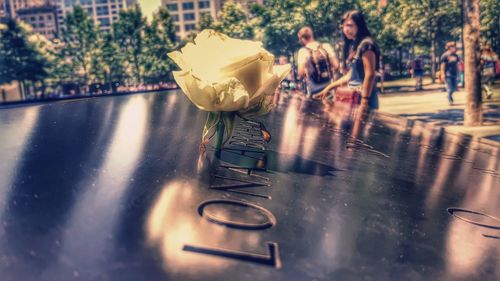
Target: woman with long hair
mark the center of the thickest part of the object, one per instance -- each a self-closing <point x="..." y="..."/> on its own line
<point x="361" y="57"/>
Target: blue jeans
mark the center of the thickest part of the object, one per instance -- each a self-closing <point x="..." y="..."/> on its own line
<point x="451" y="86"/>
<point x="313" y="88"/>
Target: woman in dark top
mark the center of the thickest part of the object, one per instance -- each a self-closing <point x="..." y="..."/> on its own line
<point x="362" y="59"/>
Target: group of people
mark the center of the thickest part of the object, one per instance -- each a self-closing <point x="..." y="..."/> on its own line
<point x="360" y="62"/>
<point x="324" y="72"/>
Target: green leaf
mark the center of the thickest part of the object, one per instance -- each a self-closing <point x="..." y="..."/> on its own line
<point x="211" y="123"/>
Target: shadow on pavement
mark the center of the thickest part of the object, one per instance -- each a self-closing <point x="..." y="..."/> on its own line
<point x="455" y="116"/>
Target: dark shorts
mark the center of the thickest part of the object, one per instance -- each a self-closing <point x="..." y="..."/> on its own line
<point x="313" y="88"/>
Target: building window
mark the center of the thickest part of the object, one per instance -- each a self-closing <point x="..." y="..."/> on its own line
<point x="90" y="11"/>
<point x="86" y="2"/>
<point x="102" y="11"/>
<point x="69" y="3"/>
<point x="101" y="1"/>
<point x="40" y="18"/>
<point x="177" y="28"/>
<point x="49" y="17"/>
<point x="204" y="4"/>
<point x="104" y="22"/>
<point x="172" y="7"/>
<point x="189" y="16"/>
<point x="189" y="27"/>
<point x="188" y="6"/>
<point x="175" y="17"/>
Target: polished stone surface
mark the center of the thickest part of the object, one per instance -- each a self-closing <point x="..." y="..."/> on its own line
<point x="110" y="189"/>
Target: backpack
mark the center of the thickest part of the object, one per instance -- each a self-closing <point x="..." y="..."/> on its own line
<point x="320" y="71"/>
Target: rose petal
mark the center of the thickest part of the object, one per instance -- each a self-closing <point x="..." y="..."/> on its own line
<point x="224" y="53"/>
<point x="272" y="82"/>
<point x="220" y="73"/>
<point x="261" y="102"/>
<point x="228" y="95"/>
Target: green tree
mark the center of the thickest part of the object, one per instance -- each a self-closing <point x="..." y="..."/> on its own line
<point x="323" y="16"/>
<point x="165" y="24"/>
<point x="7" y="61"/>
<point x="157" y="65"/>
<point x="490" y="22"/>
<point x="128" y="32"/>
<point x="233" y="21"/>
<point x="79" y="37"/>
<point x="206" y="22"/>
<point x="424" y="22"/>
<point x="279" y="22"/>
<point x="108" y="64"/>
<point x="21" y="56"/>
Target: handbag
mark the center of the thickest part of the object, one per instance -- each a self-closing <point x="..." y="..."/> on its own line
<point x="347" y="95"/>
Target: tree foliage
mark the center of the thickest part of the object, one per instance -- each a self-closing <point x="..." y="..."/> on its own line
<point x="23" y="55"/>
<point x="79" y="37"/>
<point x="234" y="22"/>
<point x="128" y="31"/>
<point x="490" y="22"/>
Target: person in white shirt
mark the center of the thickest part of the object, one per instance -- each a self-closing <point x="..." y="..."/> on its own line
<point x="316" y="62"/>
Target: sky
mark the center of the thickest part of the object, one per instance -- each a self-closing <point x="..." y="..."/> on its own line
<point x="149" y="6"/>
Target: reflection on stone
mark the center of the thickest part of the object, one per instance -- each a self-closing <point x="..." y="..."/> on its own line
<point x="343" y="210"/>
<point x="173" y="222"/>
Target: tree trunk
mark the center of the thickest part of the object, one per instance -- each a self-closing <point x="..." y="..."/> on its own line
<point x="433" y="56"/>
<point x="43" y="89"/>
<point x="472" y="115"/>
<point x="86" y="88"/>
<point x="137" y="69"/>
<point x="21" y="92"/>
<point x="400" y="59"/>
<point x="412" y="56"/>
<point x="26" y="90"/>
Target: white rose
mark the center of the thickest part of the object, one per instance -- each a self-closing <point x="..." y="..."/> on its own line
<point x="219" y="73"/>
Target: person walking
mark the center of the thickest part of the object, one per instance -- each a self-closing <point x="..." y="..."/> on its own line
<point x="488" y="61"/>
<point x="449" y="70"/>
<point x="417" y="68"/>
<point x="362" y="59"/>
<point x="316" y="62"/>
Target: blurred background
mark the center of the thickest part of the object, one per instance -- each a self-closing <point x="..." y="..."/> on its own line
<point x="52" y="49"/>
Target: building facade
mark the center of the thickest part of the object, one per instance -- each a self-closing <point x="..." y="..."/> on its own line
<point x="187" y="13"/>
<point x="103" y="12"/>
<point x="40" y="14"/>
<point x="4" y="9"/>
<point x="41" y="18"/>
<point x="9" y="8"/>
